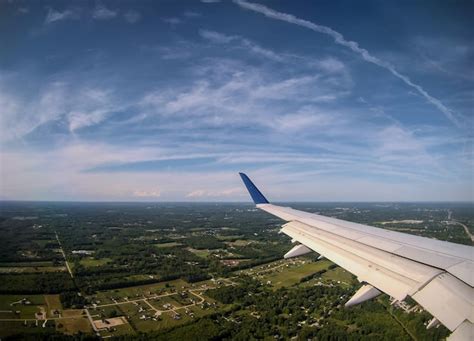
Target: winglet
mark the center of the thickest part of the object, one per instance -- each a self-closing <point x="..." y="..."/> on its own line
<point x="255" y="193"/>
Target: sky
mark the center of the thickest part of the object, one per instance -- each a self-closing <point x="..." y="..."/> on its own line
<point x="169" y="100"/>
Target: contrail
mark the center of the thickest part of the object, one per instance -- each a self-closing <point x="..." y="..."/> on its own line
<point x="339" y="39"/>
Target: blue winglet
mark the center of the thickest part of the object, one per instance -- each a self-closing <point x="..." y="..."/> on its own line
<point x="256" y="195"/>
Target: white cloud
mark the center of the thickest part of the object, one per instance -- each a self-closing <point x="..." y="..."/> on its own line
<point x="216" y="37"/>
<point x="229" y="192"/>
<point x="172" y="20"/>
<point x="147" y="193"/>
<point x="352" y="45"/>
<point x="191" y="14"/>
<point x="91" y="107"/>
<point x="132" y="16"/>
<point x="306" y="118"/>
<point x="57" y="101"/>
<point x="101" y="12"/>
<point x="53" y="15"/>
<point x="331" y="64"/>
<point x="78" y="120"/>
<point x="21" y="115"/>
<point x="243" y="43"/>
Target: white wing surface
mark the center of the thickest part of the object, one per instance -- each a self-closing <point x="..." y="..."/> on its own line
<point x="438" y="275"/>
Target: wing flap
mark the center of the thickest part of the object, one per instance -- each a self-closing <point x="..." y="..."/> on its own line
<point x="394" y="275"/>
<point x="447" y="298"/>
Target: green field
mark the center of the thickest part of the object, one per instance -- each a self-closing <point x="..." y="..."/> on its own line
<point x="74" y="325"/>
<point x="241" y="242"/>
<point x="200" y="253"/>
<point x="288" y="275"/>
<point x="26" y="264"/>
<point x="26" y="269"/>
<point x="231" y="237"/>
<point x="91" y="262"/>
<point x="43" y="242"/>
<point x="138" y="291"/>
<point x="31" y="328"/>
<point x="338" y="275"/>
<point x="12" y="303"/>
<point x="166" y="245"/>
<point x="53" y="302"/>
<point x="124" y="329"/>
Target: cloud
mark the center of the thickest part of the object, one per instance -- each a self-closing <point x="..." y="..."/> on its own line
<point x="21" y="115"/>
<point x="101" y="12"/>
<point x="216" y="37"/>
<point x="132" y="16"/>
<point x="147" y="194"/>
<point x="23" y="10"/>
<point x="173" y="20"/>
<point x="54" y="16"/>
<point x="304" y="119"/>
<point x="60" y="101"/>
<point x="331" y="65"/>
<point x="191" y="14"/>
<point x="354" y="46"/>
<point x="200" y="193"/>
<point x="244" y="43"/>
<point x="93" y="106"/>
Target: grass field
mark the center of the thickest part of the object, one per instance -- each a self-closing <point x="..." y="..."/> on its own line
<point x="138" y="291"/>
<point x="231" y="237"/>
<point x="200" y="253"/>
<point x="29" y="269"/>
<point x="288" y="274"/>
<point x="26" y="264"/>
<point x="10" y="328"/>
<point x="338" y="275"/>
<point x="26" y="311"/>
<point x="74" y="325"/>
<point x="166" y="245"/>
<point x="123" y="329"/>
<point x="241" y="242"/>
<point x="133" y="315"/>
<point x="43" y="242"/>
<point x="91" y="262"/>
<point x="141" y="316"/>
<point x="53" y="302"/>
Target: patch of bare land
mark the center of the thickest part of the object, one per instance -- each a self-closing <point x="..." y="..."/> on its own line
<point x="111" y="322"/>
<point x="407" y="221"/>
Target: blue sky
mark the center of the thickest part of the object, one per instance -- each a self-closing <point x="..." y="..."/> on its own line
<point x="168" y="101"/>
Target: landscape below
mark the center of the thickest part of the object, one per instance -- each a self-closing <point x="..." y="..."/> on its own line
<point x="175" y="271"/>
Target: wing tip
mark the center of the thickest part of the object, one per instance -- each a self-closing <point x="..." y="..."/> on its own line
<point x="257" y="196"/>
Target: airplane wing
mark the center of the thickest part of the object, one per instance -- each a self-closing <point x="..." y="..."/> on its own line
<point x="438" y="275"/>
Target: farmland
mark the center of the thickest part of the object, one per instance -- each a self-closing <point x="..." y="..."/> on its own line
<point x="165" y="270"/>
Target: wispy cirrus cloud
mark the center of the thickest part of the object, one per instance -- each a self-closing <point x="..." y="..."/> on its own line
<point x="220" y="38"/>
<point x="352" y="45"/>
<point x="132" y="16"/>
<point x="56" y="15"/>
<point x="147" y="193"/>
<point x="101" y="12"/>
<point x="175" y="115"/>
<point x="202" y="193"/>
<point x="172" y="20"/>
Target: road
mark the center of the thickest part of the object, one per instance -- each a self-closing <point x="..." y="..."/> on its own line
<point x="64" y="255"/>
<point x="452" y="221"/>
<point x="465" y="229"/>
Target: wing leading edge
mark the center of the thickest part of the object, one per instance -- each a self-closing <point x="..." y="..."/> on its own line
<point x="438" y="275"/>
